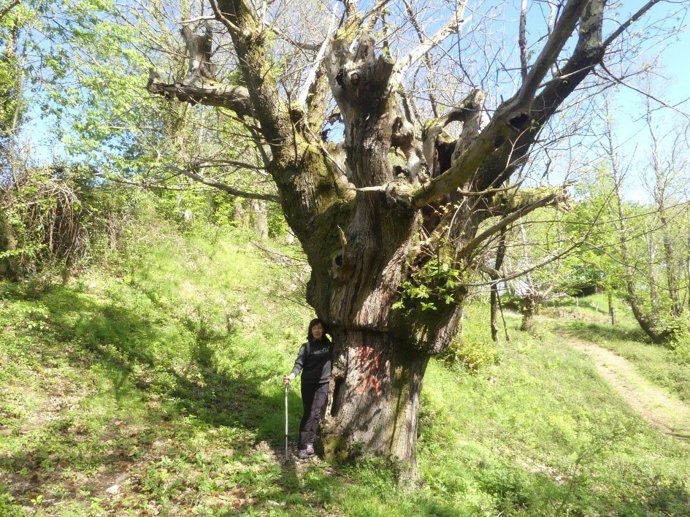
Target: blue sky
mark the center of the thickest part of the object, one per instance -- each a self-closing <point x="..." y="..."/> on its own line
<point x="672" y="85"/>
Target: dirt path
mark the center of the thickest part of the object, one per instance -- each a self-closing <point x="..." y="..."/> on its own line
<point x="653" y="404"/>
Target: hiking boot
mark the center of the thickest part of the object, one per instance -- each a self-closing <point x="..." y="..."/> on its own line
<point x="303" y="454"/>
<point x="310" y="449"/>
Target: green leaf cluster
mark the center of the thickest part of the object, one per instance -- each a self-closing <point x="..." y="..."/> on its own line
<point x="431" y="288"/>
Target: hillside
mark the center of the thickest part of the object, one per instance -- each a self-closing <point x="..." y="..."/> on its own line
<point x="153" y="387"/>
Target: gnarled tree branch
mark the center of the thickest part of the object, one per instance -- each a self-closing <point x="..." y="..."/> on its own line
<point x="507" y="203"/>
<point x="258" y="75"/>
<point x="508" y="137"/>
<point x="200" y="49"/>
<point x="563" y="29"/>
<point x="469" y="108"/>
<point x="203" y="91"/>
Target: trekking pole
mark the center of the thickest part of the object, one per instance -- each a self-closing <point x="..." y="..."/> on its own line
<point x="287" y="387"/>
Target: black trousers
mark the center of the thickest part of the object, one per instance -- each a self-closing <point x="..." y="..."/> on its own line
<point x="313" y="403"/>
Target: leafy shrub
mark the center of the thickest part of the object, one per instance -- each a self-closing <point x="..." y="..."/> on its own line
<point x="512" y="487"/>
<point x="678" y="330"/>
<point x="8" y="508"/>
<point x="471" y="353"/>
<point x="681" y="349"/>
<point x="58" y="218"/>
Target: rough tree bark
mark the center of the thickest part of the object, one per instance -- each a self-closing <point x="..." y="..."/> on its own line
<point x="373" y="226"/>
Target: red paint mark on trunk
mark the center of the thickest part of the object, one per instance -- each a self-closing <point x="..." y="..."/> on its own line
<point x="368" y="362"/>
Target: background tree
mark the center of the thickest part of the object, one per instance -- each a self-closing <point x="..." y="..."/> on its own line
<point x="668" y="164"/>
<point x="596" y="264"/>
<point x="56" y="211"/>
<point x="13" y="18"/>
<point x="537" y="287"/>
<point x="651" y="278"/>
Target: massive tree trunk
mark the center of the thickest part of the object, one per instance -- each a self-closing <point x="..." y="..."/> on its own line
<point x="375" y="395"/>
<point x="380" y="355"/>
<point x="391" y="232"/>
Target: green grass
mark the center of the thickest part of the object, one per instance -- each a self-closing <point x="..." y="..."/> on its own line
<point x="167" y="379"/>
<point x="541" y="434"/>
<point x="155" y="388"/>
<point x="662" y="365"/>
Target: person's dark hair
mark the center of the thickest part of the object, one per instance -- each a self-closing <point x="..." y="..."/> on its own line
<point x="313" y="322"/>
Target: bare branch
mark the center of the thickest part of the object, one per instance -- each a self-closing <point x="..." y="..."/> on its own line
<point x="563" y="29"/>
<point x="520" y="212"/>
<point x="522" y="40"/>
<point x="264" y="7"/>
<point x="427" y="59"/>
<point x="627" y="23"/>
<point x="372" y="15"/>
<point x="299" y="44"/>
<point x="647" y="94"/>
<point x="258" y="138"/>
<point x="197" y="19"/>
<point x="350" y="7"/>
<point x="224" y="186"/>
<point x="234" y="163"/>
<point x="223" y="19"/>
<point x="394" y="190"/>
<point x="516" y="274"/>
<point x="551" y="258"/>
<point x="302" y="96"/>
<point x="506" y="204"/>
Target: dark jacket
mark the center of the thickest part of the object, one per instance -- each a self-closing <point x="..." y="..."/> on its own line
<point x="316" y="365"/>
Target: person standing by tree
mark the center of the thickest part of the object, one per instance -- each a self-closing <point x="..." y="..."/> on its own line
<point x="314" y="361"/>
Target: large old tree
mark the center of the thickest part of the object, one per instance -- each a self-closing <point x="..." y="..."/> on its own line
<point x="392" y="219"/>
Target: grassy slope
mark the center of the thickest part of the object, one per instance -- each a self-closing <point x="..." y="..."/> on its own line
<point x="157" y="391"/>
<point x="666" y="368"/>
